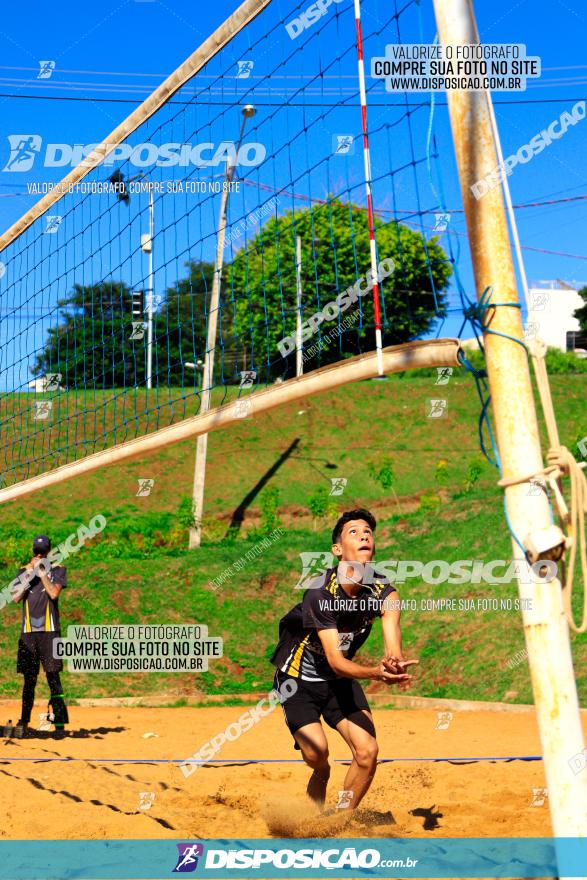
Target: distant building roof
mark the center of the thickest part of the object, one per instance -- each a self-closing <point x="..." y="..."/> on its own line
<point x="557" y="284"/>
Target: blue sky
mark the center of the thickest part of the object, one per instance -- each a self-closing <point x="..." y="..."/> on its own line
<point x="114" y="53"/>
<point x="154" y="37"/>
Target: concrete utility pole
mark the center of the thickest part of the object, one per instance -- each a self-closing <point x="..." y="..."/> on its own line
<point x="147" y="248"/>
<point x="195" y="538"/>
<point x="299" y="358"/>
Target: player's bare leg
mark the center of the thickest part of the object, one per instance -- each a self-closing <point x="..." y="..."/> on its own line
<point x="364" y="747"/>
<point x="314" y="748"/>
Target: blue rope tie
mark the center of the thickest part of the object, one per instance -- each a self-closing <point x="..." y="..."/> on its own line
<point x="475" y="314"/>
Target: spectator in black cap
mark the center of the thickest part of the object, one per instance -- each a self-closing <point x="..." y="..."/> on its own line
<point x="39" y="591"/>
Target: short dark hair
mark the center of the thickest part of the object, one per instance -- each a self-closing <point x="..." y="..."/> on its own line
<point x="347" y="516"/>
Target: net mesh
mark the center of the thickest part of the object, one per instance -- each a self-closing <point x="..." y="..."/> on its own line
<point x="79" y="283"/>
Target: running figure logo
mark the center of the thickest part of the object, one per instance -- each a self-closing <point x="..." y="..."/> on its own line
<point x="247" y="378"/>
<point x="437" y="408"/>
<point x="187" y="860"/>
<point x="442" y="221"/>
<point x="138" y="330"/>
<point x="313" y="566"/>
<point x="242" y="408"/>
<point x="46" y="69"/>
<point x="53" y="222"/>
<point x="23" y="151"/>
<point x="44" y="721"/>
<point x="444" y="374"/>
<point x="444" y="719"/>
<point x="146" y="800"/>
<point x="344" y="800"/>
<point x="145" y="486"/>
<point x="244" y="69"/>
<point x="540" y="300"/>
<point x="52" y="381"/>
<point x="539" y="796"/>
<point x="42" y="410"/>
<point x="153" y="301"/>
<point x="343" y="144"/>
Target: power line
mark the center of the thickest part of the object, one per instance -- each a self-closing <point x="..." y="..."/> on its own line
<point x="403" y="104"/>
<point x="212" y="76"/>
<point x="305" y="198"/>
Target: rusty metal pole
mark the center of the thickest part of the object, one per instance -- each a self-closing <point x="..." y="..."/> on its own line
<point x="545" y="625"/>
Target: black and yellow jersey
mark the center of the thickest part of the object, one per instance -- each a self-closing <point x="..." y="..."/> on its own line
<point x="40" y="613"/>
<point x="299" y="652"/>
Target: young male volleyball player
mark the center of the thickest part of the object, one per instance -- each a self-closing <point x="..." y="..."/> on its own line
<point x="318" y="639"/>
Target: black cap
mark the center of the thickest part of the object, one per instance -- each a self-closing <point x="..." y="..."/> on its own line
<point x="41" y="544"/>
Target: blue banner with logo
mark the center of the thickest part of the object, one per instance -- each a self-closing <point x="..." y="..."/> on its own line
<point x="307" y="858"/>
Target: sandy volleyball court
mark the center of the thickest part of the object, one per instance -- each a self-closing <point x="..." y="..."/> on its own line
<point x="100" y="793"/>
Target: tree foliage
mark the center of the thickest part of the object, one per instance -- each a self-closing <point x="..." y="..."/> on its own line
<point x="334" y="255"/>
<point x="92" y="344"/>
<point x="581" y="313"/>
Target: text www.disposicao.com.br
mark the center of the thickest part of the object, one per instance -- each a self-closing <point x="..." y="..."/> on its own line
<point x="134" y="664"/>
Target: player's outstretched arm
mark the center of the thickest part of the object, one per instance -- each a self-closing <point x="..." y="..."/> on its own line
<point x="392" y="634"/>
<point x="349" y="669"/>
<point x="394" y="660"/>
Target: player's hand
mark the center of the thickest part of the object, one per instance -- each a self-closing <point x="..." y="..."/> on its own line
<point x="39" y="565"/>
<point x="31" y="565"/>
<point x="383" y="674"/>
<point x="397" y="665"/>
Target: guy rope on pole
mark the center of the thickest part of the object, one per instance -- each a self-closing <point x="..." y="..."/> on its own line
<point x="561" y="462"/>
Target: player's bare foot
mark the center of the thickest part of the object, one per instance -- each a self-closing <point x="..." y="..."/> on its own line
<point x="317" y="785"/>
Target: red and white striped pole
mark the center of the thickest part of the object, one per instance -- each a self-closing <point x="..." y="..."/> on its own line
<point x="367" y="158"/>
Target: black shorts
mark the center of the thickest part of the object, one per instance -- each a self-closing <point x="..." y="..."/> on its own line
<point x="332" y="700"/>
<point x="37" y="648"/>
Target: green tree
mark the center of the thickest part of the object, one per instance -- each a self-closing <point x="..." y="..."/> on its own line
<point x="181" y="325"/>
<point x="320" y="505"/>
<point x="335" y="253"/>
<point x="382" y="471"/>
<point x="92" y="344"/>
<point x="581" y="313"/>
